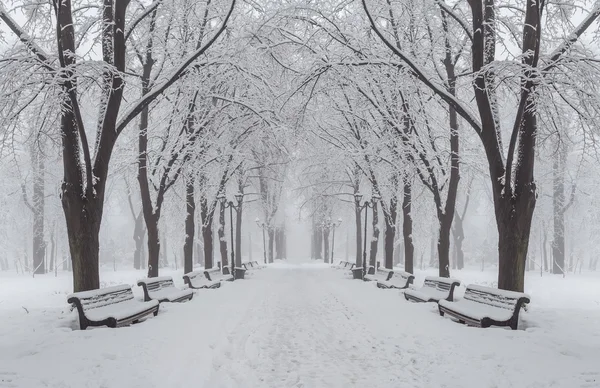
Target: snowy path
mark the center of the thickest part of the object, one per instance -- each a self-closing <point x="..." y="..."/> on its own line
<point x="301" y="334"/>
<point x="296" y="326"/>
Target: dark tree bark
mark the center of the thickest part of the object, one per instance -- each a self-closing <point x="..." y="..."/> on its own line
<point x="326" y="254"/>
<point x="271" y="237"/>
<point x="407" y="226"/>
<point x="39" y="245"/>
<point x="190" y="227"/>
<point x="207" y="232"/>
<point x="375" y="237"/>
<point x="358" y="223"/>
<point x="222" y="238"/>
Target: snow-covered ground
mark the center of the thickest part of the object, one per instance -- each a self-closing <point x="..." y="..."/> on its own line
<point x="299" y="325"/>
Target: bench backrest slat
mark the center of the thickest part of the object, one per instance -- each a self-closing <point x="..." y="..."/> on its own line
<point x="494" y="297"/>
<point x="440" y="284"/>
<point x="103" y="297"/>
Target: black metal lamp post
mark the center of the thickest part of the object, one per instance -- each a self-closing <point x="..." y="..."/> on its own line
<point x="229" y="204"/>
<point x="263" y="226"/>
<point x="367" y="204"/>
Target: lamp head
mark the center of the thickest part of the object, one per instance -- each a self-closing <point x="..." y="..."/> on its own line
<point x="222" y="199"/>
<point x="239" y="197"/>
<point x="376" y="198"/>
<point x="358" y="197"/>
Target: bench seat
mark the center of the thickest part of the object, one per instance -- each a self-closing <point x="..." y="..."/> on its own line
<point x="163" y="289"/>
<point x="110" y="306"/>
<point x="485" y="307"/>
<point x="400" y="280"/>
<point x="197" y="280"/>
<point x="434" y="289"/>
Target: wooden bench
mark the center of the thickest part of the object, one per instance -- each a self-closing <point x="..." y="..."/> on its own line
<point x="216" y="275"/>
<point x="357" y="272"/>
<point x="485" y="307"/>
<point x="255" y="264"/>
<point x="434" y="289"/>
<point x="111" y="306"/>
<point x="197" y="280"/>
<point x="240" y="273"/>
<point x="400" y="280"/>
<point x="379" y="274"/>
<point x="344" y="265"/>
<point x="163" y="289"/>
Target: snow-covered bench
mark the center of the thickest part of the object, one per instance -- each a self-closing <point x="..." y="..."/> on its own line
<point x="434" y="289"/>
<point x="163" y="289"/>
<point x="344" y="265"/>
<point x="400" y="280"/>
<point x="111" y="306"/>
<point x="240" y="273"/>
<point x="378" y="275"/>
<point x="255" y="265"/>
<point x="198" y="280"/>
<point x="357" y="272"/>
<point x="216" y="275"/>
<point x="485" y="307"/>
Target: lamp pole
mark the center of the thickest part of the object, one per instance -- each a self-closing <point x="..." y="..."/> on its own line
<point x="262" y="226"/>
<point x="229" y="204"/>
<point x="334" y="225"/>
<point x="366" y="205"/>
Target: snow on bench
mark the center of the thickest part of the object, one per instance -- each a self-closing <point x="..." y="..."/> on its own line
<point x="111" y="306"/>
<point x="378" y="275"/>
<point x="163" y="290"/>
<point x="357" y="272"/>
<point x="344" y="265"/>
<point x="240" y="272"/>
<point x="197" y="280"/>
<point x="400" y="280"/>
<point x="253" y="265"/>
<point x="216" y="275"/>
<point x="434" y="289"/>
<point x="486" y="306"/>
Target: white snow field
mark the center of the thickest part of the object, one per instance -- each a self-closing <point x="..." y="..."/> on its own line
<point x="299" y="325"/>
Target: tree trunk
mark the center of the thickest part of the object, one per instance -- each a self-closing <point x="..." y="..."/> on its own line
<point x="390" y="240"/>
<point x="207" y="238"/>
<point x="222" y="239"/>
<point x="407" y="227"/>
<point x="359" y="244"/>
<point x="558" y="204"/>
<point x="190" y="227"/>
<point x="544" y="265"/>
<point x="375" y="239"/>
<point x="83" y="228"/>
<point x="318" y="244"/>
<point x="250" y="246"/>
<point x="326" y="253"/>
<point x="514" y="227"/>
<point x="444" y="244"/>
<point x="39" y="245"/>
<point x="271" y="241"/>
<point x="153" y="246"/>
<point x="52" y="249"/>
<point x="459" y="236"/>
<point x="138" y="238"/>
<point x="283" y="243"/>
